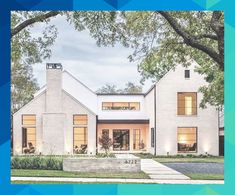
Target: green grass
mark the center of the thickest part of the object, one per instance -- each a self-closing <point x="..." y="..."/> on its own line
<point x="183" y="158"/>
<point x="203" y="176"/>
<point x="60" y="182"/>
<point x="56" y="173"/>
<point x="190" y="160"/>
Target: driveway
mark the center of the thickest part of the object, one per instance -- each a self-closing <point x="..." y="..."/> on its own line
<point x="209" y="168"/>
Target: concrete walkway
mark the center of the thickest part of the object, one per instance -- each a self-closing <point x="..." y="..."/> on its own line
<point x="158" y="171"/>
<point x="112" y="180"/>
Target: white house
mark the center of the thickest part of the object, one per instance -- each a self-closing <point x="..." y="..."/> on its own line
<point x="66" y="117"/>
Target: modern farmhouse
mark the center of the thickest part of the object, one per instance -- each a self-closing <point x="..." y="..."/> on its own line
<point x="66" y="117"/>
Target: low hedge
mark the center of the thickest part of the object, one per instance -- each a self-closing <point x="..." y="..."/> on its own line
<point x="36" y="162"/>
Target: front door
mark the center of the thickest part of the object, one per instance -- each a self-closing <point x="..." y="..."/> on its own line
<point x="121" y="139"/>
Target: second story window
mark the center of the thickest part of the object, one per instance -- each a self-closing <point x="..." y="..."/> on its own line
<point x="187" y="74"/>
<point x="120" y="106"/>
<point x="187" y="103"/>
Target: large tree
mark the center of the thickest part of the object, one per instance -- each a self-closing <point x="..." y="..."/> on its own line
<point x="161" y="40"/>
<point x="28" y="49"/>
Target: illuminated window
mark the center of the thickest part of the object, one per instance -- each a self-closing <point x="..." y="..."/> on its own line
<point x="80" y="140"/>
<point x="28" y="134"/>
<point x="28" y="120"/>
<point x="187" y="139"/>
<point x="80" y="119"/>
<point x="80" y="122"/>
<point x="120" y="106"/>
<point x="187" y="103"/>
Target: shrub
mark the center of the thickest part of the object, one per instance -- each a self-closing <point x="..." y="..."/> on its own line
<point x="36" y="162"/>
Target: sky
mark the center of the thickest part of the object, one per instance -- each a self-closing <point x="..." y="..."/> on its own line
<point x="92" y="65"/>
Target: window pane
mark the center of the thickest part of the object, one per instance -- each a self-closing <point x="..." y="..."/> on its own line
<point x="80" y="140"/>
<point x="136" y="139"/>
<point x="29" y="120"/>
<point x="80" y="119"/>
<point x="187" y="103"/>
<point x="187" y="139"/>
<point x="107" y="105"/>
<point x="120" y="139"/>
<point x="121" y="106"/>
<point x="134" y="106"/>
<point x="29" y="140"/>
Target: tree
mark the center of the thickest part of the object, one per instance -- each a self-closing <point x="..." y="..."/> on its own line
<point x="108" y="88"/>
<point x="105" y="142"/>
<point x="130" y="88"/>
<point x="27" y="50"/>
<point x="161" y="40"/>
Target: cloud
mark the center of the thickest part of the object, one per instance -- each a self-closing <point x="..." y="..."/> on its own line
<point x="93" y="65"/>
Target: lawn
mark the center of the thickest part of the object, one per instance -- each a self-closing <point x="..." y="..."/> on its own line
<point x="56" y="173"/>
<point x="204" y="176"/>
<point x="183" y="159"/>
<point x="190" y="160"/>
<point x="60" y="182"/>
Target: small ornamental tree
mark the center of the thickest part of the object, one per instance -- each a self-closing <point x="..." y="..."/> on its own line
<point x="105" y="142"/>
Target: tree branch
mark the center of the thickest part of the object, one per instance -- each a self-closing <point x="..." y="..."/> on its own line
<point x="209" y="36"/>
<point x="190" y="40"/>
<point x="31" y="21"/>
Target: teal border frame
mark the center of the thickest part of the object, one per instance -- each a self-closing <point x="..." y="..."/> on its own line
<point x="226" y="5"/>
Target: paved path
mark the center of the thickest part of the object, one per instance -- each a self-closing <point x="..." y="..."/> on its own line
<point x="111" y="180"/>
<point x="158" y="171"/>
<point x="209" y="168"/>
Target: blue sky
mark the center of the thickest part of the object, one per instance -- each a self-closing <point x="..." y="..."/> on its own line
<point x="94" y="66"/>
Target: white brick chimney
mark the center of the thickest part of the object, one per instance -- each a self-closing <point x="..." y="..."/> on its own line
<point x="54" y="118"/>
<point x="54" y="88"/>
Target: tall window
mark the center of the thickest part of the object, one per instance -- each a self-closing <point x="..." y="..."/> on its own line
<point x="120" y="106"/>
<point x="80" y="134"/>
<point x="187" y="74"/>
<point x="152" y="137"/>
<point x="28" y="134"/>
<point x="138" y="143"/>
<point x="187" y="103"/>
<point x="187" y="139"/>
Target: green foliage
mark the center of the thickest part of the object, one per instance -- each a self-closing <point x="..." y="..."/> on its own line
<point x="27" y="50"/>
<point x="36" y="162"/>
<point x="129" y="88"/>
<point x="105" y="142"/>
<point x="159" y="46"/>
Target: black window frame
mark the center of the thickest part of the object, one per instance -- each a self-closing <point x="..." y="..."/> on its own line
<point x="187" y="74"/>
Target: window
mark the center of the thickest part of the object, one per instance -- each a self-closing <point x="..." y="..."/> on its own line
<point x="80" y="119"/>
<point x="187" y="139"/>
<point x="120" y="139"/>
<point x="152" y="137"/>
<point x="120" y="106"/>
<point x="28" y="120"/>
<point x="80" y="122"/>
<point x="187" y="103"/>
<point x="187" y="74"/>
<point x="28" y="134"/>
<point x="80" y="140"/>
